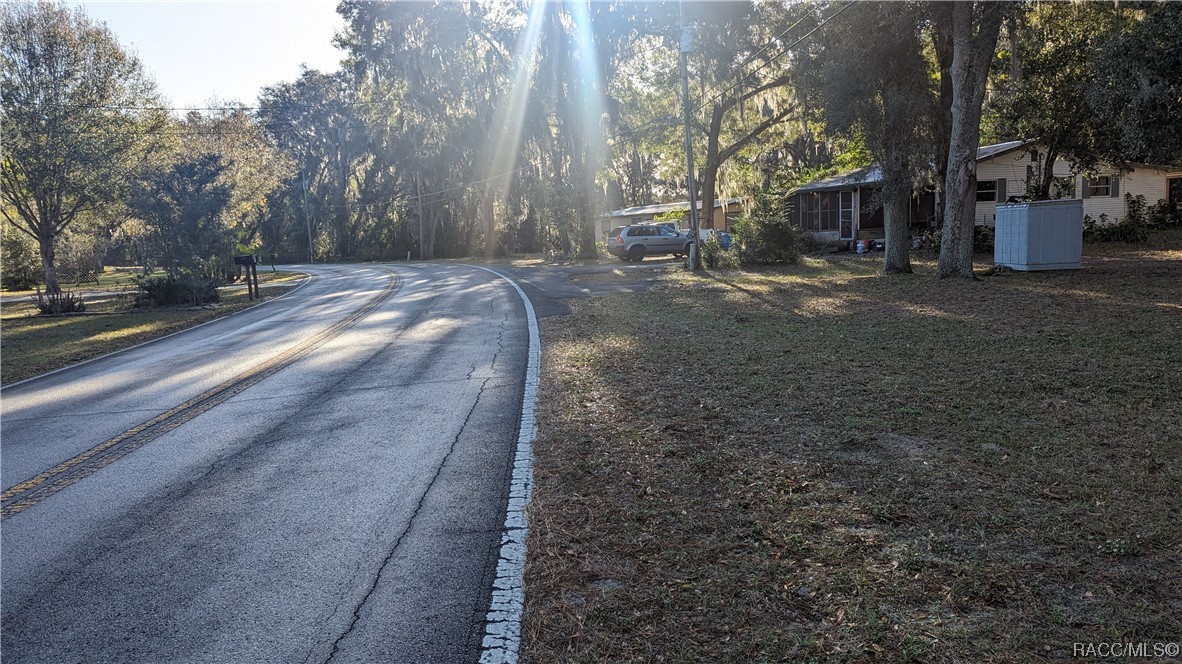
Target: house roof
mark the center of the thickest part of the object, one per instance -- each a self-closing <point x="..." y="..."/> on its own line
<point x="870" y="175"/>
<point x="862" y="176"/>
<point x="662" y="208"/>
<point x="991" y="151"/>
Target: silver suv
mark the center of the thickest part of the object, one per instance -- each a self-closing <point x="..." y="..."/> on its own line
<point x="633" y="243"/>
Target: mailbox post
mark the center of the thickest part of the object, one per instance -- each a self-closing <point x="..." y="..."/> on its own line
<point x="251" y="262"/>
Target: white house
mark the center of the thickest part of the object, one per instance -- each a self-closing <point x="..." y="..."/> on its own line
<point x="842" y="207"/>
<point x="1003" y="173"/>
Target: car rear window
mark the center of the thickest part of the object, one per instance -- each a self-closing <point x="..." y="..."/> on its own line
<point x="616" y="231"/>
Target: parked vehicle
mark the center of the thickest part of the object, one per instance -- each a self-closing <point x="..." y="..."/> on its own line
<point x="633" y="243"/>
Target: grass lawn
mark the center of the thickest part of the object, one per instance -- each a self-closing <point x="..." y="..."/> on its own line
<point x="818" y="463"/>
<point x="112" y="278"/>
<point x="115" y="278"/>
<point x="31" y="345"/>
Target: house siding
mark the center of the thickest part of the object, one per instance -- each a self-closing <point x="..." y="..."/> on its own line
<point x="1012" y="166"/>
<point x="1141" y="181"/>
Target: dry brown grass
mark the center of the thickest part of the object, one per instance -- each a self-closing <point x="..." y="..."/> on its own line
<point x="822" y="464"/>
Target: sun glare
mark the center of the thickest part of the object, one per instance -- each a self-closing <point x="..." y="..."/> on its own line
<point x="583" y="68"/>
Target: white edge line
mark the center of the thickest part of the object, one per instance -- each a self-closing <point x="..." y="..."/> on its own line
<point x="307" y="279"/>
<point x="502" y="625"/>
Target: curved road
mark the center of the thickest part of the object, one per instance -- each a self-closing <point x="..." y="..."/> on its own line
<point x="320" y="479"/>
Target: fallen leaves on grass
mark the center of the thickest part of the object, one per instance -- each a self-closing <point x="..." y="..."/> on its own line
<point x="820" y="463"/>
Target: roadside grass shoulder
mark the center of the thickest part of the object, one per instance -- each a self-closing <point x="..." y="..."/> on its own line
<point x="31" y="345"/>
<point x="120" y="278"/>
<point x="819" y="463"/>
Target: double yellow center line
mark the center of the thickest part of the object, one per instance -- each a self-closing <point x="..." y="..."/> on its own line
<point x="24" y="495"/>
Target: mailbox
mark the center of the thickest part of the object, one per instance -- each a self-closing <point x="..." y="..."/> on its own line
<point x="247" y="259"/>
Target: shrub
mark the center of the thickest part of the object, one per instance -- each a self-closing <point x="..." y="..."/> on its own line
<point x="983" y="239"/>
<point x="180" y="288"/>
<point x="930" y="242"/>
<point x="1132" y="229"/>
<point x="766" y="235"/>
<point x="20" y="261"/>
<point x="1161" y="215"/>
<point x="63" y="302"/>
<point x="714" y="257"/>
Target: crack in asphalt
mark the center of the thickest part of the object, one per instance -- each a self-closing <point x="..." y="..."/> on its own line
<point x="140" y="517"/>
<point x="485" y="382"/>
<point x="48" y="482"/>
<point x="377" y="578"/>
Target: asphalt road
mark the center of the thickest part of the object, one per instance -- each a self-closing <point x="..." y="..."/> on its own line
<point x="320" y="479"/>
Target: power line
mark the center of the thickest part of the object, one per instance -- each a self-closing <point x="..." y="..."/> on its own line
<point x="467" y="186"/>
<point x="767" y="62"/>
<point x="770" y="43"/>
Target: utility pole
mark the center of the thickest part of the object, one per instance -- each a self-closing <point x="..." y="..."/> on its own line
<point x="687" y="46"/>
<point x="308" y="219"/>
<point x="426" y="236"/>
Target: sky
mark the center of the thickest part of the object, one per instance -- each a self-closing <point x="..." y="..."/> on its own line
<point x="228" y="50"/>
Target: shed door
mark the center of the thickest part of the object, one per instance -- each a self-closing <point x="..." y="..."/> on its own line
<point x="1174" y="187"/>
<point x="846" y="211"/>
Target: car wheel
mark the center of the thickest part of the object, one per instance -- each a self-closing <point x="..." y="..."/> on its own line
<point x="636" y="253"/>
<point x="688" y="246"/>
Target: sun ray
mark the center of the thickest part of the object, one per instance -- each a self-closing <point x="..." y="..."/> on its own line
<point x="504" y="146"/>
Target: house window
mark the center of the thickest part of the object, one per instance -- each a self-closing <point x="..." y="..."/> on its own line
<point x="987" y="191"/>
<point x="1100" y="186"/>
<point x="808" y="220"/>
<point x="830" y="211"/>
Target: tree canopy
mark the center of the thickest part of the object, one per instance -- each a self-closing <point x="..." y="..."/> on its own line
<point x="488" y="127"/>
<point x="78" y="120"/>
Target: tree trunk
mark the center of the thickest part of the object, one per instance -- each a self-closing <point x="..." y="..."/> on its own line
<point x="1046" y="175"/>
<point x="960" y="206"/>
<point x="706" y="193"/>
<point x="971" y="55"/>
<point x="488" y="219"/>
<point x="47" y="264"/>
<point x="942" y="42"/>
<point x="896" y="213"/>
<point x="426" y="231"/>
<point x="896" y="184"/>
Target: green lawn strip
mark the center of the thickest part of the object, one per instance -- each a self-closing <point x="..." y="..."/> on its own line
<point x="822" y="464"/>
<point x="31" y="345"/>
<point x="113" y="279"/>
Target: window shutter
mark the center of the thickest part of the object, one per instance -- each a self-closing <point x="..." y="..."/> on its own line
<point x="1115" y="186"/>
<point x="1001" y="190"/>
<point x="1086" y="190"/>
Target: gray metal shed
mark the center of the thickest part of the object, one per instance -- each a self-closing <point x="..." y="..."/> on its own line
<point x="1040" y="235"/>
